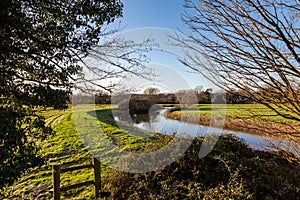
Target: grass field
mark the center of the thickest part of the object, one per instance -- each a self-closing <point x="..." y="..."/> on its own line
<point x="66" y="147"/>
<point x="249" y="118"/>
<point x="232" y="170"/>
<point x="237" y="111"/>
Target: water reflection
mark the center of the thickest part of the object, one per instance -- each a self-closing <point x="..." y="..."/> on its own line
<point x="157" y="122"/>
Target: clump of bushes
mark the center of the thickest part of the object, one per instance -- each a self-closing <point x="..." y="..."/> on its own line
<point x="231" y="171"/>
<point x="138" y="105"/>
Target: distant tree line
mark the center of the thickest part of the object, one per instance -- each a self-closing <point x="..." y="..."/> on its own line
<point x="204" y="97"/>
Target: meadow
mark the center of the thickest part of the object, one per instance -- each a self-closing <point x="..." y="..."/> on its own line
<point x="237" y="111"/>
<point x="249" y="118"/>
<point x="66" y="147"/>
<point x="232" y="170"/>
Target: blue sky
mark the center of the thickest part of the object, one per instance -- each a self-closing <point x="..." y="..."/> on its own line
<point x="165" y="14"/>
<point x="152" y="13"/>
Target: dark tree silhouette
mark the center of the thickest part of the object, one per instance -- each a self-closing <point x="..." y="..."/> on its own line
<point x="44" y="44"/>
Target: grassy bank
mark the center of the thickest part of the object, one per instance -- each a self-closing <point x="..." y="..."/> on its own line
<point x="66" y="147"/>
<point x="249" y="118"/>
<point x="231" y="170"/>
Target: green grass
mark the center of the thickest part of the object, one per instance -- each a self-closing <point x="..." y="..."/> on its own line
<point x="232" y="170"/>
<point x="236" y="111"/>
<point x="66" y="147"/>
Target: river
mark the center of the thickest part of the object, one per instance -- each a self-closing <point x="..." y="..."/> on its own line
<point x="160" y="124"/>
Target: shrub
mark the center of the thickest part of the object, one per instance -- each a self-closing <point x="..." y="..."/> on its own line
<point x="231" y="171"/>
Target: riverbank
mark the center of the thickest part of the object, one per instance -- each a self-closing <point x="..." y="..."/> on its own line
<point x="241" y="118"/>
<point x="232" y="170"/>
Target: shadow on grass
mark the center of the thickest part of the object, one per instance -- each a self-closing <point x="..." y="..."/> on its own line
<point x="232" y="170"/>
<point x="104" y="115"/>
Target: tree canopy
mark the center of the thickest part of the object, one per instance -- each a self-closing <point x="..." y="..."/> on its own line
<point x="249" y="46"/>
<point x="41" y="45"/>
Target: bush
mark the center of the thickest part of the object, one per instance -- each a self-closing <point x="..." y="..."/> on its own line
<point x="137" y="105"/>
<point x="231" y="171"/>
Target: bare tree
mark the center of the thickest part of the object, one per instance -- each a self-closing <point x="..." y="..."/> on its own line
<point x="253" y="46"/>
<point x="198" y="89"/>
<point x="114" y="58"/>
<point x="151" y="91"/>
<point x="248" y="45"/>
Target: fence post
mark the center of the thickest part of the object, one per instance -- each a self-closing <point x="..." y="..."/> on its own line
<point x="56" y="181"/>
<point x="97" y="176"/>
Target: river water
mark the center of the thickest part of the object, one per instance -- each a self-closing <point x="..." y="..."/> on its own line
<point x="158" y="123"/>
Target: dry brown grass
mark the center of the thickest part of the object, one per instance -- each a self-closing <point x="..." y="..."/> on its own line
<point x="281" y="130"/>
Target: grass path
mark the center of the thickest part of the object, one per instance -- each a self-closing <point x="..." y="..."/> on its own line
<point x="66" y="147"/>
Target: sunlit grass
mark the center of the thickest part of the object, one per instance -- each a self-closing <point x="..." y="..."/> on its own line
<point x="236" y="111"/>
<point x="67" y="147"/>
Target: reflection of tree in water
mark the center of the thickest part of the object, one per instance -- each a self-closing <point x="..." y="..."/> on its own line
<point x="130" y="118"/>
<point x="137" y="109"/>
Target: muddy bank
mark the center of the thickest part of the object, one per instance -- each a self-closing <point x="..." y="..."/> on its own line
<point x="289" y="131"/>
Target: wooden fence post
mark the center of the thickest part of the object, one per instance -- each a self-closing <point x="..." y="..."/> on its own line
<point x="56" y="181"/>
<point x="97" y="176"/>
